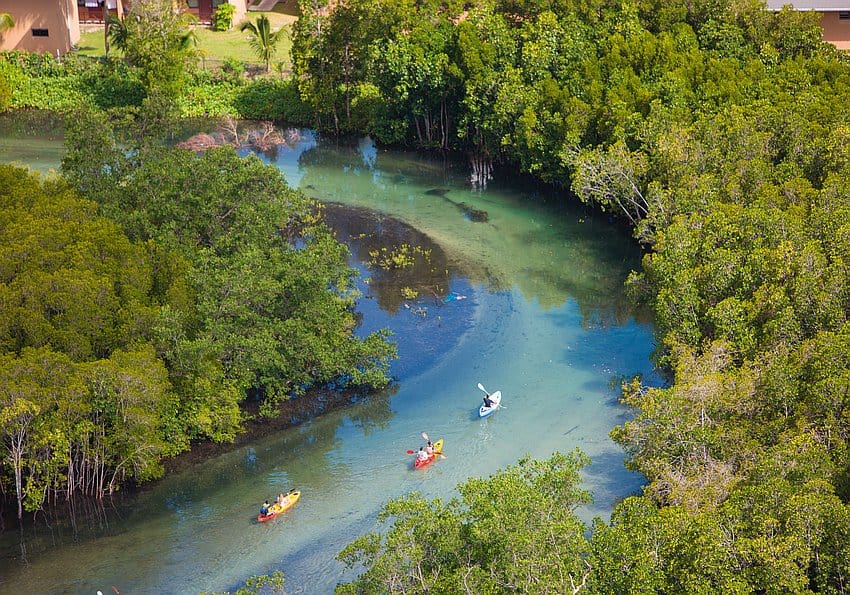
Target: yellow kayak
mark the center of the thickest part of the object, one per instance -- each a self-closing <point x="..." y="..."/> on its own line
<point x="275" y="509"/>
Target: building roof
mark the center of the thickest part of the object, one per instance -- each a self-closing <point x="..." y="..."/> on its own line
<point x="813" y="5"/>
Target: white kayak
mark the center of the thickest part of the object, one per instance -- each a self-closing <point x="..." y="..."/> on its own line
<point x="484" y="411"/>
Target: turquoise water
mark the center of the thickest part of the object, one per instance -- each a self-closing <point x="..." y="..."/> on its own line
<point x="544" y="320"/>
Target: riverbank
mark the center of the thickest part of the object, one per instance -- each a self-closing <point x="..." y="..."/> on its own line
<point x="291" y="413"/>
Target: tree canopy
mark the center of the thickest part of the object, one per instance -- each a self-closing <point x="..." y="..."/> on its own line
<point x="514" y="531"/>
<point x="85" y="401"/>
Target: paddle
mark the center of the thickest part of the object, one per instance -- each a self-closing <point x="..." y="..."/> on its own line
<point x="424" y="435"/>
<point x="481" y="386"/>
<point x="412" y="452"/>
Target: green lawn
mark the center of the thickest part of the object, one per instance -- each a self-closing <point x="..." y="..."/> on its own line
<point x="215" y="46"/>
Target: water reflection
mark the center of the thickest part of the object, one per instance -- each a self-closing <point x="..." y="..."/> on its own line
<point x="514" y="234"/>
<point x="425" y="272"/>
<point x="554" y="251"/>
<point x="33" y="139"/>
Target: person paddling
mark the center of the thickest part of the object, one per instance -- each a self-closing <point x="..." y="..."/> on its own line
<point x="264" y="509"/>
<point x="488" y="402"/>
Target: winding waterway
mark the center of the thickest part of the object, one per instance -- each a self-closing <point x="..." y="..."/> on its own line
<point x="544" y="320"/>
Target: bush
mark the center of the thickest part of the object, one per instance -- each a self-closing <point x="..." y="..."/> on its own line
<point x="208" y="99"/>
<point x="11" y="78"/>
<point x="61" y="94"/>
<point x="32" y="64"/>
<point x="266" y="99"/>
<point x="5" y="93"/>
<point x="42" y="81"/>
<point x="232" y="71"/>
<point x="116" y="88"/>
<point x="223" y="17"/>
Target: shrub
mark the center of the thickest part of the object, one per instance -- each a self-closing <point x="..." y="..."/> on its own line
<point x="223" y="17"/>
<point x="11" y="78"/>
<point x="209" y="99"/>
<point x="33" y="64"/>
<point x="114" y="89"/>
<point x="266" y="99"/>
<point x="5" y="93"/>
<point x="232" y="71"/>
<point x="62" y="94"/>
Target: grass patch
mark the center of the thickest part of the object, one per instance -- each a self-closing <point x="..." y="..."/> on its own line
<point x="215" y="46"/>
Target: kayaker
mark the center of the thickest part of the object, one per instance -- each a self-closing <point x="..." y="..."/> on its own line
<point x="488" y="402"/>
<point x="264" y="509"/>
<point x="422" y="455"/>
<point x="429" y="449"/>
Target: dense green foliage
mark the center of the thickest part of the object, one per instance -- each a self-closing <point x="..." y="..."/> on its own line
<point x="515" y="531"/>
<point x="223" y="17"/>
<point x="85" y="402"/>
<point x="39" y="81"/>
<point x="157" y="42"/>
<point x="721" y="135"/>
<point x="274" y="288"/>
<point x="784" y="530"/>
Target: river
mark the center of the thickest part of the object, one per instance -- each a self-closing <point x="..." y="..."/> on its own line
<point x="535" y="309"/>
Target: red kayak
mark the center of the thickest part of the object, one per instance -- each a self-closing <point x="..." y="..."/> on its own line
<point x="420" y="463"/>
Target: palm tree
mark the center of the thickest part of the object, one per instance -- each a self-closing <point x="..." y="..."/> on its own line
<point x="262" y="40"/>
<point x="119" y="33"/>
<point x="123" y="32"/>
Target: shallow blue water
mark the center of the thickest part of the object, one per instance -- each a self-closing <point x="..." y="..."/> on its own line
<point x="544" y="320"/>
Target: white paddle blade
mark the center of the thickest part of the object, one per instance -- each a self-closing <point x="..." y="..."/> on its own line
<point x="481" y="386"/>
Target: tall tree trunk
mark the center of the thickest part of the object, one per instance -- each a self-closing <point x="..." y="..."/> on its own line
<point x="444" y="124"/>
<point x="347" y="70"/>
<point x="19" y="494"/>
<point x="482" y="170"/>
<point x="105" y="5"/>
<point x="17" y="456"/>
